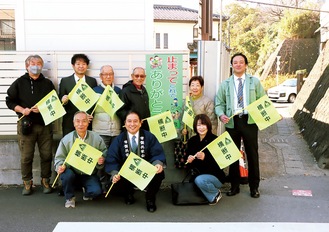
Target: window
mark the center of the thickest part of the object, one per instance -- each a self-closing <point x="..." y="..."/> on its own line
<point x="7" y="30"/>
<point x="157" y="40"/>
<point x="7" y="27"/>
<point x="165" y="40"/>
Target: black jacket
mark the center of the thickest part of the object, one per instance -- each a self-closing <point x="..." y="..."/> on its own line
<point x="65" y="87"/>
<point x="136" y="100"/>
<point x="26" y="92"/>
<point x="208" y="165"/>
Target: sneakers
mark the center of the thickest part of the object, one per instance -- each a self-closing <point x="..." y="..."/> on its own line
<point x="27" y="189"/>
<point x="217" y="198"/>
<point x="45" y="186"/>
<point x="70" y="203"/>
<point x="84" y="197"/>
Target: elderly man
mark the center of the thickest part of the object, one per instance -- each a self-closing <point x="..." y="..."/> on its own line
<point x="108" y="128"/>
<point x="71" y="176"/>
<point x="144" y="144"/>
<point x="135" y="97"/>
<point x="23" y="94"/>
<point x="103" y="124"/>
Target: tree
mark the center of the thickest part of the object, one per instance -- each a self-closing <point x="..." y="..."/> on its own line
<point x="256" y="33"/>
<point x="247" y="25"/>
<point x="298" y="24"/>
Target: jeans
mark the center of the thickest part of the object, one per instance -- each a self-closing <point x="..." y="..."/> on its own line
<point x="209" y="185"/>
<point x="71" y="180"/>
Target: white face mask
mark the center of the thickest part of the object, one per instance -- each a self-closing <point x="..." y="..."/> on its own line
<point x="35" y="69"/>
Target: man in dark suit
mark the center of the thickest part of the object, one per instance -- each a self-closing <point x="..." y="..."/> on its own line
<point x="80" y="64"/>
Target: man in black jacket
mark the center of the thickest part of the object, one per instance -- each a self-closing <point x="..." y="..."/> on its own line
<point x="135" y="97"/>
<point x="80" y="64"/>
<point x="23" y="95"/>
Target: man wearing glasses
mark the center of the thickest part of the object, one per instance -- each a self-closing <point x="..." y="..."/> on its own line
<point x="135" y="97"/>
<point x="108" y="128"/>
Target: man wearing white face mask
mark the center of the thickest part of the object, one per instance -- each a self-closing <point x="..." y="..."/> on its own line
<point x="22" y="96"/>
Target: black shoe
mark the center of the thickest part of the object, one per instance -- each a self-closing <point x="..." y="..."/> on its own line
<point x="60" y="192"/>
<point x="150" y="206"/>
<point x="254" y="193"/>
<point x="129" y="199"/>
<point x="233" y="191"/>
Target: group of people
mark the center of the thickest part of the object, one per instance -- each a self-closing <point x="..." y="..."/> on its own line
<point x="116" y="137"/>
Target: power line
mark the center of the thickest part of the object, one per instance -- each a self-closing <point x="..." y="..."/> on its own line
<point x="283" y="6"/>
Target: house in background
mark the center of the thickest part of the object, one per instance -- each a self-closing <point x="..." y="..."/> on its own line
<point x="178" y="28"/>
<point x="7" y="30"/>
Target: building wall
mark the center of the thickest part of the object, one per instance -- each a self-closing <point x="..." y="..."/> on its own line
<point x="179" y="34"/>
<point x="66" y="25"/>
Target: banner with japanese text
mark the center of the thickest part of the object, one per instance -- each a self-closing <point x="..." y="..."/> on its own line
<point x="188" y="114"/>
<point x="224" y="150"/>
<point x="162" y="126"/>
<point x="110" y="101"/>
<point x="138" y="171"/>
<point x="50" y="107"/>
<point x="83" y="157"/>
<point x="83" y="96"/>
<point x="164" y="84"/>
<point x="263" y="112"/>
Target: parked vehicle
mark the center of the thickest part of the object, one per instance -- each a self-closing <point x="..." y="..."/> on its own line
<point x="285" y="92"/>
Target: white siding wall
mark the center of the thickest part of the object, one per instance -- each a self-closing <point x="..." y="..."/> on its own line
<point x="179" y="34"/>
<point x="67" y="25"/>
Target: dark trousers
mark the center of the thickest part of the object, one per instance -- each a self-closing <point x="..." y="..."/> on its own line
<point x="71" y="180"/>
<point x="125" y="187"/>
<point x="43" y="136"/>
<point x="249" y="134"/>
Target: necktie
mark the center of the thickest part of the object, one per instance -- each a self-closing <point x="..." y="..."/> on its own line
<point x="240" y="94"/>
<point x="133" y="144"/>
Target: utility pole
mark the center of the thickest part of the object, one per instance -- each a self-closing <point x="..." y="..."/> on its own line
<point x="277" y="69"/>
<point x="206" y="19"/>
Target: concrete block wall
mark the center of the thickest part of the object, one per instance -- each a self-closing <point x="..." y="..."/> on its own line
<point x="10" y="162"/>
<point x="10" y="166"/>
<point x="310" y="110"/>
<point x="10" y="169"/>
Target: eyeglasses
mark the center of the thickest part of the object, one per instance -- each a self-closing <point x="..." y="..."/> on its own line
<point x="139" y="76"/>
<point x="107" y="74"/>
